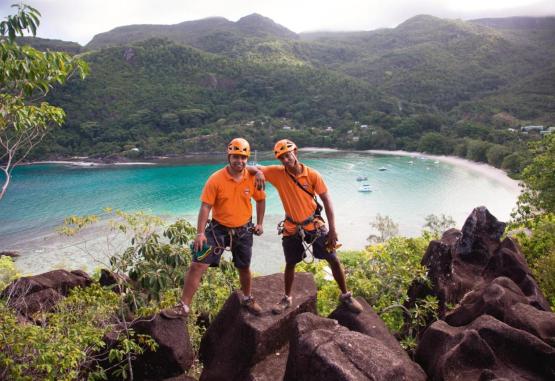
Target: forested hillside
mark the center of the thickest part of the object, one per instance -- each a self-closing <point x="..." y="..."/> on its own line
<point x="429" y="84"/>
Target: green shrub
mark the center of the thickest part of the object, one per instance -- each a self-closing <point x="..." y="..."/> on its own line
<point x="536" y="237"/>
<point x="8" y="272"/>
<point x="68" y="344"/>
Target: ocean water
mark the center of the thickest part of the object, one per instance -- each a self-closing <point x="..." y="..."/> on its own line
<point x="41" y="196"/>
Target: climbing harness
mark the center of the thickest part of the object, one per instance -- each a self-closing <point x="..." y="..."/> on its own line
<point x="315" y="218"/>
<point x="220" y="247"/>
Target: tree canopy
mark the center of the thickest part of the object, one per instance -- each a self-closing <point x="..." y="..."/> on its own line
<point x="26" y="76"/>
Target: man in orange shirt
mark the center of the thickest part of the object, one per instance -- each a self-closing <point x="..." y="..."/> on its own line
<point x="227" y="193"/>
<point x="298" y="185"/>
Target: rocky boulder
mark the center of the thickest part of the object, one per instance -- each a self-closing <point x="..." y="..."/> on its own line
<point x="464" y="259"/>
<point x="505" y="301"/>
<point x="236" y="340"/>
<point x="369" y="323"/>
<point x="31" y="294"/>
<point x="116" y="282"/>
<point x="174" y="355"/>
<point x="322" y="350"/>
<point x="485" y="349"/>
<point x="172" y="358"/>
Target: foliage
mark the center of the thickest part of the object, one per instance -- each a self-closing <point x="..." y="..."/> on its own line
<point x="381" y="274"/>
<point x="8" y="271"/>
<point x="386" y="228"/>
<point x="435" y="226"/>
<point x="68" y="344"/>
<point x="156" y="262"/>
<point x="538" y="194"/>
<point x="537" y="239"/>
<point x="429" y="84"/>
<point x="26" y="76"/>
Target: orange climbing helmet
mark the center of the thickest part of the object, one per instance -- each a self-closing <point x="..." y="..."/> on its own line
<point x="283" y="146"/>
<point x="239" y="146"/>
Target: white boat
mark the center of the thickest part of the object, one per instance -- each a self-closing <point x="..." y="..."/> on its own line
<point x="382" y="169"/>
<point x="436" y="162"/>
<point x="362" y="178"/>
<point x="411" y="162"/>
<point x="365" y="188"/>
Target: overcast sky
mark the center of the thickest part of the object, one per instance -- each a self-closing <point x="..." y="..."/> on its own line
<point x="80" y="20"/>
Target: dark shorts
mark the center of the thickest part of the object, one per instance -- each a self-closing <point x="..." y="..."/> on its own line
<point x="218" y="237"/>
<point x="294" y="250"/>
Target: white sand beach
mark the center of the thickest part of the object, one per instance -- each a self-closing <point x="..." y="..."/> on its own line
<point x="482" y="168"/>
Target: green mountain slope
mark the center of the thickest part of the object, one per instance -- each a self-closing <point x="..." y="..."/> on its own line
<point x="195" y="81"/>
<point x="160" y="92"/>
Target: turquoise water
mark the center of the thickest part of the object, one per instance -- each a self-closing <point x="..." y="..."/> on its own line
<point x="40" y="196"/>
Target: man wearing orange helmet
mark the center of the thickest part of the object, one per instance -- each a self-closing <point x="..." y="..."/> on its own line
<point x="303" y="227"/>
<point x="227" y="193"/>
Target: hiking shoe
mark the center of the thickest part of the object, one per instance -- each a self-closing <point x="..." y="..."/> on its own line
<point x="251" y="306"/>
<point x="351" y="303"/>
<point x="282" y="305"/>
<point x="181" y="310"/>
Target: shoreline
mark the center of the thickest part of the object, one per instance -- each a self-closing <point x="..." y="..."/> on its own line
<point x="50" y="250"/>
<point x="87" y="163"/>
<point x="481" y="168"/>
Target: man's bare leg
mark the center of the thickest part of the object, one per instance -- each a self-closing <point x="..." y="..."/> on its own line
<point x="248" y="302"/>
<point x="192" y="281"/>
<point x="245" y="280"/>
<point x="338" y="273"/>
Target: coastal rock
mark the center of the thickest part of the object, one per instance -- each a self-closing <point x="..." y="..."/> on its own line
<point x="174" y="355"/>
<point x="112" y="280"/>
<point x="237" y="340"/>
<point x="481" y="233"/>
<point x="43" y="300"/>
<point x="485" y="349"/>
<point x="463" y="260"/>
<point x="505" y="301"/>
<point x="11" y="254"/>
<point x="322" y="350"/>
<point x="509" y="262"/>
<point x="41" y="292"/>
<point x="271" y="368"/>
<point x="369" y="323"/>
<point x="181" y="377"/>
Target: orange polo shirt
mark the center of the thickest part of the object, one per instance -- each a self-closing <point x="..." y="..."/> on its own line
<point x="231" y="199"/>
<point x="297" y="203"/>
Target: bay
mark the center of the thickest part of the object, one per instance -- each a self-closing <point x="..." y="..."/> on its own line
<point x="406" y="188"/>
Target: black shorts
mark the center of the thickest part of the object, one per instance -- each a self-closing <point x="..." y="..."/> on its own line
<point x="294" y="250"/>
<point x="218" y="238"/>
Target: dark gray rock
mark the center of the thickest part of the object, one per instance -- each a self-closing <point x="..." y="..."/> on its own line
<point x="236" y="340"/>
<point x="116" y="282"/>
<point x="485" y="349"/>
<point x="174" y="355"/>
<point x="321" y="349"/>
<point x="369" y="323"/>
<point x="463" y="260"/>
<point x="41" y="292"/>
<point x="272" y="368"/>
<point x="505" y="301"/>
